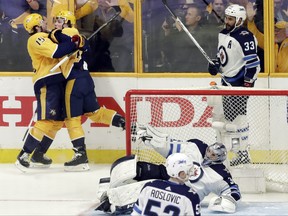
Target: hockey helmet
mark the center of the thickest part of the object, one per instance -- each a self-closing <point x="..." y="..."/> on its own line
<point x="236" y="11"/>
<point x="178" y="162"/>
<point x="215" y="154"/>
<point x="67" y="16"/>
<point x="31" y="21"/>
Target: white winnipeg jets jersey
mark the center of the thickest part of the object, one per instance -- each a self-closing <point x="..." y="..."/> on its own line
<point x="237" y="51"/>
<point x="161" y="197"/>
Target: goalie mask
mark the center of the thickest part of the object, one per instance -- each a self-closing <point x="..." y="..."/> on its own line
<point x="215" y="154"/>
<point x="237" y="11"/>
<point x="177" y="163"/>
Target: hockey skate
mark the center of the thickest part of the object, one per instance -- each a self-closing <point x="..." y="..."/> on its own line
<point x="242" y="157"/>
<point x="79" y="162"/>
<point x="22" y="161"/>
<point x="40" y="160"/>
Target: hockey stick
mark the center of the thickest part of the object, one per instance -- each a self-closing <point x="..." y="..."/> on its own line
<point x="118" y="11"/>
<point x="216" y="14"/>
<point x="29" y="126"/>
<point x="192" y="38"/>
<point x="187" y="32"/>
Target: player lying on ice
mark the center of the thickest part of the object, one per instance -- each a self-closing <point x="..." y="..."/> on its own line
<point x="127" y="175"/>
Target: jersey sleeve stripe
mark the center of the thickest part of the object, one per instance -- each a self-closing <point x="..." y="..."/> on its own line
<point x="249" y="57"/>
<point x="253" y="64"/>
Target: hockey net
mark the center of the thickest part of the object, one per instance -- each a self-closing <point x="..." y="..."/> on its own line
<point x="185" y="114"/>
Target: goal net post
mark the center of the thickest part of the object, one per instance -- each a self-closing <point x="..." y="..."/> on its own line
<point x="261" y="129"/>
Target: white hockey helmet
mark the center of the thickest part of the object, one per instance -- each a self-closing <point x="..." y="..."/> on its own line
<point x="237" y="11"/>
<point x="178" y="162"/>
<point x="215" y="154"/>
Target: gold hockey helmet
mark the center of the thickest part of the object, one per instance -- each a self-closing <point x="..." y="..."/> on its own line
<point x="32" y="20"/>
<point x="66" y="16"/>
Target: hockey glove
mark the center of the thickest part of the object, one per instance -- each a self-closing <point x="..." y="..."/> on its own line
<point x="78" y="40"/>
<point x="248" y="82"/>
<point x="214" y="69"/>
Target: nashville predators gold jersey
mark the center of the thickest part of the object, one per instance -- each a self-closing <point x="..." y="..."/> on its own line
<point x="41" y="50"/>
<point x="75" y="59"/>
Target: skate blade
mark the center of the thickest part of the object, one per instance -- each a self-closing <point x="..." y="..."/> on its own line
<point x="39" y="165"/>
<point x="78" y="168"/>
<point x="21" y="167"/>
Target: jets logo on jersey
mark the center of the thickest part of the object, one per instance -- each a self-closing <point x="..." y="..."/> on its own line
<point x="223" y="55"/>
<point x="244" y="33"/>
<point x="198" y="173"/>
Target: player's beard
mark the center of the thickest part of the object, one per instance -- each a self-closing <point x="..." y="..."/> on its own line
<point x="229" y="27"/>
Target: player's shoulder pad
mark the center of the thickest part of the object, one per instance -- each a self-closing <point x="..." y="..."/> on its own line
<point x="70" y="31"/>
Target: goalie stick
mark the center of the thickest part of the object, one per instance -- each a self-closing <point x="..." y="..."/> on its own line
<point x="29" y="126"/>
<point x="118" y="11"/>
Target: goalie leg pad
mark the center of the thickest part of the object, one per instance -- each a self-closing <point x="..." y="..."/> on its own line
<point x="222" y="204"/>
<point x="243" y="129"/>
<point x="216" y="103"/>
<point x="231" y="140"/>
<point x="123" y="171"/>
<point x="227" y="134"/>
<point x="103" y="186"/>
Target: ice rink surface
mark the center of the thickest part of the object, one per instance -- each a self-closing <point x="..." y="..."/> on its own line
<point x="53" y="191"/>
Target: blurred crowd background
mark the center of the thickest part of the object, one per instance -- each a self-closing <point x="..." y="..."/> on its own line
<point x="163" y="47"/>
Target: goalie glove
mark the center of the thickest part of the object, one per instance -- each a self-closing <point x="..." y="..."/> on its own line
<point x="223" y="203"/>
<point x="152" y="135"/>
<point x="142" y="134"/>
<point x="214" y="69"/>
